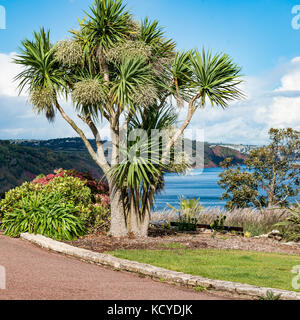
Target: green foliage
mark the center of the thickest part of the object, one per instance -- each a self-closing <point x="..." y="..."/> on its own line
<point x="139" y="172"/>
<point x="291" y="224"/>
<point x="41" y="72"/>
<point x="200" y="289"/>
<point x="241" y="188"/>
<point x="219" y="223"/>
<point x="270" y="177"/>
<point x="61" y="206"/>
<point x="73" y="189"/>
<point x="270" y="295"/>
<point x="188" y="214"/>
<point x="96" y="218"/>
<point x="108" y="22"/>
<point x="47" y="215"/>
<point x="14" y="196"/>
<point x="217" y="77"/>
<point x="189" y="208"/>
<point x="186" y="223"/>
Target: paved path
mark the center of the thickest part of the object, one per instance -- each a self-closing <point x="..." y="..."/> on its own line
<point x="35" y="273"/>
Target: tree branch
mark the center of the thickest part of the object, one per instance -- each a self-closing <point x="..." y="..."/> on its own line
<point x="82" y="135"/>
<point x="99" y="144"/>
<point x="187" y="121"/>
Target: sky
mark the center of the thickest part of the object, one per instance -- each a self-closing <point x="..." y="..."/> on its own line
<point x="262" y="36"/>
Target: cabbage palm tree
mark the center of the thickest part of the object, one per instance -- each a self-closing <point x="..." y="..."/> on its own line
<point x="124" y="72"/>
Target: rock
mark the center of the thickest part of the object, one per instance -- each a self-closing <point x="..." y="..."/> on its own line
<point x="275" y="234"/>
<point x="291" y="243"/>
<point x="207" y="231"/>
<point x="278" y="238"/>
<point x="262" y="236"/>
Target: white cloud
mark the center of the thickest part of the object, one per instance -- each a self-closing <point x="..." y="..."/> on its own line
<point x="249" y="121"/>
<point x="284" y="112"/>
<point x="9" y="70"/>
<point x="291" y="80"/>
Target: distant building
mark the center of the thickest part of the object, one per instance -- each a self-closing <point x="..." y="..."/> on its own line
<point x="242" y="148"/>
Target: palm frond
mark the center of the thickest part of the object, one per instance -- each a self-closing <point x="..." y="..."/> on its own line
<point x="109" y="22"/>
<point x="42" y="75"/>
<point x="133" y="74"/>
<point x="217" y="77"/>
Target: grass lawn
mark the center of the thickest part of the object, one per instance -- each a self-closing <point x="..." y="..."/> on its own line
<point x="256" y="268"/>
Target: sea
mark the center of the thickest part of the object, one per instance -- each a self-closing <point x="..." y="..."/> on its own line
<point x="198" y="183"/>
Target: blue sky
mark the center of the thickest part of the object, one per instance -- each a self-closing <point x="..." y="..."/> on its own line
<point x="256" y="33"/>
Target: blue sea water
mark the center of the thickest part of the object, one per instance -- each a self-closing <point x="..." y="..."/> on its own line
<point x="198" y="183"/>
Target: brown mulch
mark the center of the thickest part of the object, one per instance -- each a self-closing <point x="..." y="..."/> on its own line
<point x="164" y="240"/>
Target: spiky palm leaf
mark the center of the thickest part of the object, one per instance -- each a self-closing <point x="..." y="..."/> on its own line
<point x="132" y="75"/>
<point x="83" y="37"/>
<point x="141" y="165"/>
<point x="42" y="75"/>
<point x="109" y="22"/>
<point x="182" y="75"/>
<point x="216" y="77"/>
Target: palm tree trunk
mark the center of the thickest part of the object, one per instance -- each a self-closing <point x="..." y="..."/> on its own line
<point x="118" y="226"/>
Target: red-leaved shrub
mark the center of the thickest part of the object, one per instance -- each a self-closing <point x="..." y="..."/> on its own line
<point x="99" y="189"/>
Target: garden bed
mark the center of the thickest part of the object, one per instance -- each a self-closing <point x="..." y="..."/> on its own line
<point x="171" y="240"/>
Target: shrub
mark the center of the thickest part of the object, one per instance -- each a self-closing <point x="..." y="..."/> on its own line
<point x="99" y="190"/>
<point x="47" y="215"/>
<point x="12" y="197"/>
<point x="96" y="218"/>
<point x="70" y="188"/>
<point x="186" y="223"/>
<point x="291" y="224"/>
<point x="72" y="202"/>
<point x="190" y="208"/>
<point x="219" y="223"/>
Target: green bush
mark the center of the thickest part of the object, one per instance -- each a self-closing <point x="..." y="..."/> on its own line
<point x="96" y="218"/>
<point x="70" y="188"/>
<point x="186" y="223"/>
<point x="47" y="215"/>
<point x="219" y="223"/>
<point x="291" y="225"/>
<point x="14" y="196"/>
<point x="189" y="208"/>
<point x="61" y="206"/>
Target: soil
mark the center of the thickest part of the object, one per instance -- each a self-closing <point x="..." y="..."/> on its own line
<point x="170" y="240"/>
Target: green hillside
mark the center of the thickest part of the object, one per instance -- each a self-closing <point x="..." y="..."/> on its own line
<point x="23" y="160"/>
<point x="20" y="163"/>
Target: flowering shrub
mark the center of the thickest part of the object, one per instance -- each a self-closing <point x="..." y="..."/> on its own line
<point x="99" y="190"/>
<point x="72" y="192"/>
